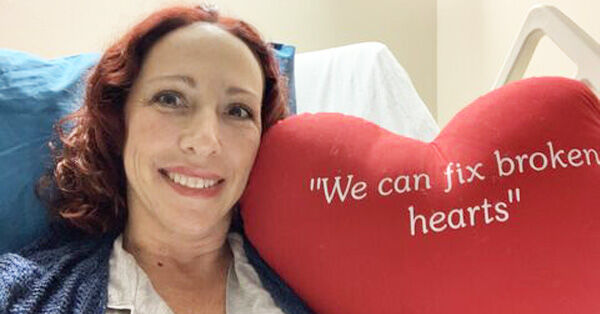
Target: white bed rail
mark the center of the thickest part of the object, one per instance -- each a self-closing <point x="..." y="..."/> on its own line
<point x="570" y="38"/>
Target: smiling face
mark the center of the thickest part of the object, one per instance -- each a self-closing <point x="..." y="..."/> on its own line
<point x="193" y="127"/>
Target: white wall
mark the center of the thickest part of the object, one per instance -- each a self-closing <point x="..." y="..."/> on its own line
<point x="62" y="27"/>
<point x="452" y="49"/>
<point x="475" y="36"/>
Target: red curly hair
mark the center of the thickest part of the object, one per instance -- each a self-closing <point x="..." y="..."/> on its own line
<point x="87" y="186"/>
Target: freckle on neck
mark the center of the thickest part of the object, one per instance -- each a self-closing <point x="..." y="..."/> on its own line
<point x="160" y="264"/>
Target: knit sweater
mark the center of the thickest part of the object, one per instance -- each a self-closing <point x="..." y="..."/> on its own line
<point x="67" y="272"/>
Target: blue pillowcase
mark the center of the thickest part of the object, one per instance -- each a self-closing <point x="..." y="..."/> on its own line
<point x="285" y="56"/>
<point x="34" y="94"/>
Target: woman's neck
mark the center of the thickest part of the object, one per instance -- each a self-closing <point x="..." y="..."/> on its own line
<point x="180" y="261"/>
<point x="186" y="271"/>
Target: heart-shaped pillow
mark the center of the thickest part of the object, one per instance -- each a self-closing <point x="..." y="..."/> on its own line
<point x="499" y="214"/>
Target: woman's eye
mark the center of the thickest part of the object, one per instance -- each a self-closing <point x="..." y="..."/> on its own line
<point x="169" y="99"/>
<point x="241" y="112"/>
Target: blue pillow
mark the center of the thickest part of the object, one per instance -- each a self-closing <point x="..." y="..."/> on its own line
<point x="285" y="56"/>
<point x="34" y="94"/>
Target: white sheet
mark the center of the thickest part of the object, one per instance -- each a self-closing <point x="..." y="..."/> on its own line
<point x="363" y="80"/>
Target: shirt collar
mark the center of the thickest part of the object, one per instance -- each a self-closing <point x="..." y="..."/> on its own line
<point x="129" y="288"/>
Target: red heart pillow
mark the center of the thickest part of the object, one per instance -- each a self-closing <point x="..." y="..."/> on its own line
<point x="499" y="214"/>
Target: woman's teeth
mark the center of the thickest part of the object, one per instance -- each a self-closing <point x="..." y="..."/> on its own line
<point x="190" y="182"/>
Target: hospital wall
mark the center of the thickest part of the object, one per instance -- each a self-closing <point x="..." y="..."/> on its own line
<point x="475" y="36"/>
<point x="62" y="27"/>
<point x="452" y="49"/>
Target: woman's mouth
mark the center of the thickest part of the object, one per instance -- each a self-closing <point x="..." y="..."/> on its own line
<point x="192" y="182"/>
<point x="193" y="186"/>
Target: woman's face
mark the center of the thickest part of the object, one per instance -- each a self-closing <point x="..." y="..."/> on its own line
<point x="193" y="126"/>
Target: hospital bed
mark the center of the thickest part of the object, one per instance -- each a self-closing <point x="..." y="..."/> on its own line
<point x="365" y="79"/>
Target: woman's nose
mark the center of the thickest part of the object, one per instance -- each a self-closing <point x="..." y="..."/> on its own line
<point x="202" y="137"/>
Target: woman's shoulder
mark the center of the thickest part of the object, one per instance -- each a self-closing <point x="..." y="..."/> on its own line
<point x="57" y="273"/>
<point x="56" y="246"/>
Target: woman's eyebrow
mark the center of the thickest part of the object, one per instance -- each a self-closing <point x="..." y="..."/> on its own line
<point x="182" y="78"/>
<point x="239" y="90"/>
<point x="192" y="83"/>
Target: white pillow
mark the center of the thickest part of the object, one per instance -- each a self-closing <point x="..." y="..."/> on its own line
<point x="366" y="81"/>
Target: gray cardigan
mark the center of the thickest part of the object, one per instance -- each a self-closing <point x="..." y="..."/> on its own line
<point x="67" y="272"/>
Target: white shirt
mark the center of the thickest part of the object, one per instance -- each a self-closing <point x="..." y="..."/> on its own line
<point x="130" y="290"/>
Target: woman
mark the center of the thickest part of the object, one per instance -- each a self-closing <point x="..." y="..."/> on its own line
<point x="147" y="176"/>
